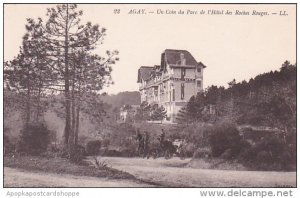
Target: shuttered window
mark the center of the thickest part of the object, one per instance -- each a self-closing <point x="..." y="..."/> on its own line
<point x="182" y="91"/>
<point x="173" y="94"/>
<point x="182" y="73"/>
<point x="199" y="69"/>
<point x="198" y="83"/>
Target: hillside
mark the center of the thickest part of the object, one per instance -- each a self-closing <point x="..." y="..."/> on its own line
<point x="269" y="99"/>
<point x="122" y="98"/>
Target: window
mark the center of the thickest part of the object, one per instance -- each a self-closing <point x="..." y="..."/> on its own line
<point x="173" y="94"/>
<point x="199" y="69"/>
<point x="182" y="73"/>
<point x="182" y="91"/>
<point x="155" y="91"/>
<point x="198" y="83"/>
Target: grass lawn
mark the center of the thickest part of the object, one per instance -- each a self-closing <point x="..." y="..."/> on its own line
<point x="60" y="166"/>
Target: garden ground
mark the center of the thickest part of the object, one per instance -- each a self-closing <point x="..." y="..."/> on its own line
<point x="21" y="178"/>
<point x="134" y="172"/>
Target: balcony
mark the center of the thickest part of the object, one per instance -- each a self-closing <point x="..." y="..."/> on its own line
<point x="157" y="81"/>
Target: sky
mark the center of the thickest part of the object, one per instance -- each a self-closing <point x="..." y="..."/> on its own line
<point x="231" y="46"/>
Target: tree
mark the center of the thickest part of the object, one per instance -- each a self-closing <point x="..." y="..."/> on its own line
<point x="158" y="113"/>
<point x="56" y="56"/>
<point x="27" y="73"/>
<point x="143" y="112"/>
<point x="195" y="107"/>
<point x="65" y="37"/>
<point x="224" y="137"/>
<point x="182" y="116"/>
<point x="231" y="83"/>
<point x="269" y="99"/>
<point x="90" y="74"/>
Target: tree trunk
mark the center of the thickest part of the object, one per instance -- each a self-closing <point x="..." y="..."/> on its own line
<point x="78" y="108"/>
<point x="38" y="111"/>
<point x="28" y="105"/>
<point x="67" y="86"/>
<point x="77" y="123"/>
<point x="73" y="116"/>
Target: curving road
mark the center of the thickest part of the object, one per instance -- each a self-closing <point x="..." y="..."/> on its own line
<point x="175" y="173"/>
<point x="154" y="173"/>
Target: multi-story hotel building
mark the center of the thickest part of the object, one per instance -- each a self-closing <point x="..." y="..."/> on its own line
<point x="172" y="83"/>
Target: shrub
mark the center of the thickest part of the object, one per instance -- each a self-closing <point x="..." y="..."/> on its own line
<point x="101" y="164"/>
<point x="93" y="147"/>
<point x="202" y="153"/>
<point x="111" y="153"/>
<point x="34" y="139"/>
<point x="223" y="137"/>
<point x="9" y="147"/>
<point x="76" y="153"/>
<point x="271" y="150"/>
<point x="193" y="133"/>
<point x="118" y="136"/>
<point x="128" y="153"/>
<point x="129" y="147"/>
<point x="106" y="143"/>
<point x="264" y="157"/>
<point x="247" y="153"/>
<point x="189" y="149"/>
<point x="270" y="153"/>
<point x="81" y="149"/>
<point x="227" y="154"/>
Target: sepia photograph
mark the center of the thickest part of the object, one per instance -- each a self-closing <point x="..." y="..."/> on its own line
<point x="150" y="96"/>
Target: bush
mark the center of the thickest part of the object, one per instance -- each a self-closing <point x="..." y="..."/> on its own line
<point x="223" y="137"/>
<point x="93" y="147"/>
<point x="76" y="153"/>
<point x="128" y="153"/>
<point x="118" y="136"/>
<point x="117" y="153"/>
<point x="81" y="149"/>
<point x="202" y="153"/>
<point x="270" y="153"/>
<point x="264" y="157"/>
<point x="247" y="153"/>
<point x="34" y="139"/>
<point x="111" y="153"/>
<point x="106" y="143"/>
<point x="227" y="154"/>
<point x="189" y="149"/>
<point x="193" y="133"/>
<point x="9" y="147"/>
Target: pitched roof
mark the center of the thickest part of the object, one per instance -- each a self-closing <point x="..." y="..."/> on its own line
<point x="144" y="73"/>
<point x="173" y="57"/>
<point x="201" y="64"/>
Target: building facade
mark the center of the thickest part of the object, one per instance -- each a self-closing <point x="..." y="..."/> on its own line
<point x="172" y="83"/>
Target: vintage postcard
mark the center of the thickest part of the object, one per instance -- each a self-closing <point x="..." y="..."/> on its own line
<point x="150" y="95"/>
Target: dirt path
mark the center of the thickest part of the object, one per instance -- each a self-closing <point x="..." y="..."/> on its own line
<point x="173" y="173"/>
<point x="19" y="178"/>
